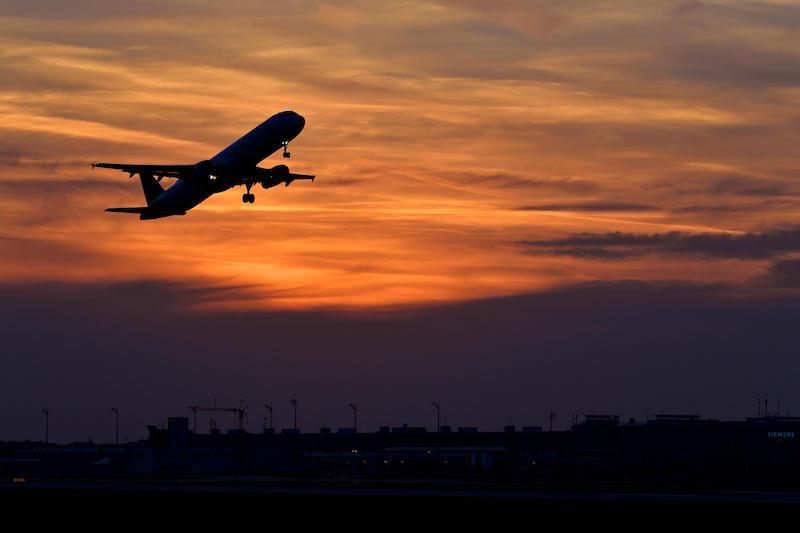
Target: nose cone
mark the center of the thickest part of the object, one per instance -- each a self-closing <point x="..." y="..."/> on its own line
<point x="300" y="122"/>
<point x="293" y="121"/>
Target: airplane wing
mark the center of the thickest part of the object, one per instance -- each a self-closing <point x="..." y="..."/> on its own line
<point x="158" y="171"/>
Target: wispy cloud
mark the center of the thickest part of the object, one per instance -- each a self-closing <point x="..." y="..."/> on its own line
<point x="440" y="131"/>
<point x="599" y="206"/>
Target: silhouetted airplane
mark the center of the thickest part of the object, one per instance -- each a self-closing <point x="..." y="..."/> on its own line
<point x="235" y="165"/>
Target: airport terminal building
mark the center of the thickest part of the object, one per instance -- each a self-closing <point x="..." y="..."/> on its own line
<point x="677" y="447"/>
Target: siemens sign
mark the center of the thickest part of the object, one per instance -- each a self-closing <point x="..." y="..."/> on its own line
<point x="780" y="435"/>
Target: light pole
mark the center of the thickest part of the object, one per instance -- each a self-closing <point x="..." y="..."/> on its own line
<point x="116" y="426"/>
<point x="46" y="412"/>
<point x="269" y="408"/>
<point x="436" y="405"/>
<point x="354" y="407"/>
<point x="293" y="402"/>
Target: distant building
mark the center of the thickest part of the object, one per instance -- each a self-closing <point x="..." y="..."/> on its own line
<point x="680" y="447"/>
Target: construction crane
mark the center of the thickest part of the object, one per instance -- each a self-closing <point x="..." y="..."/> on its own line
<point x="240" y="413"/>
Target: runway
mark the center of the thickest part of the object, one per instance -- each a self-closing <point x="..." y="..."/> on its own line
<point x="256" y="504"/>
<point x="396" y="488"/>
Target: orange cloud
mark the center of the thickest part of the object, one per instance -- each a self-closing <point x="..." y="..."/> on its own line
<point x="432" y="126"/>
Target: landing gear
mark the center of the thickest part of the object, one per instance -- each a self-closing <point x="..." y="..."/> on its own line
<point x="286" y="149"/>
<point x="247" y="197"/>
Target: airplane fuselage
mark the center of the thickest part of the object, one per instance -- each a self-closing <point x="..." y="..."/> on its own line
<point x="235" y="165"/>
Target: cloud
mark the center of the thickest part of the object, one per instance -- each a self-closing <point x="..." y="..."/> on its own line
<point x="167" y="296"/>
<point x="62" y="188"/>
<point x="533" y="18"/>
<point x="750" y="186"/>
<point x="518" y="181"/>
<point x="618" y="245"/>
<point x="345" y="182"/>
<point x="783" y="274"/>
<point x="57" y="201"/>
<point x="9" y="157"/>
<point x="731" y="63"/>
<point x="454" y="113"/>
<point x="36" y="256"/>
<point x="731" y="208"/>
<point x="588" y="206"/>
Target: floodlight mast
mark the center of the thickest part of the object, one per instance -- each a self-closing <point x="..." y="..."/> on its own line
<point x="354" y="407"/>
<point x="271" y="421"/>
<point x="438" y="406"/>
<point x="115" y="410"/>
<point x="46" y="412"/>
<point x="293" y="403"/>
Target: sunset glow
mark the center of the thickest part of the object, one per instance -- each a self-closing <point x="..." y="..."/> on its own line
<point x="456" y="145"/>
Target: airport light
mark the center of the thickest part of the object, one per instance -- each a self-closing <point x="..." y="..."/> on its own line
<point x="269" y="408"/>
<point x="46" y="412"/>
<point x="354" y="407"/>
<point x="438" y="406"/>
<point x="293" y="403"/>
<point x="115" y="410"/>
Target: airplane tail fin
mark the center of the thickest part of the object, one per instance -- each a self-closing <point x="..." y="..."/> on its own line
<point x="152" y="189"/>
<point x="137" y="210"/>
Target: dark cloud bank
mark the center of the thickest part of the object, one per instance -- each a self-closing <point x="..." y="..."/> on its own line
<point x="618" y="245"/>
<point x="631" y="348"/>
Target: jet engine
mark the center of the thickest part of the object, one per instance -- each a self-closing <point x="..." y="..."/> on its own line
<point x="277" y="175"/>
<point x="203" y="169"/>
<point x="279" y="171"/>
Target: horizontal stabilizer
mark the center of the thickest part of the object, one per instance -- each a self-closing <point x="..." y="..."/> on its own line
<point x="291" y="177"/>
<point x="127" y="209"/>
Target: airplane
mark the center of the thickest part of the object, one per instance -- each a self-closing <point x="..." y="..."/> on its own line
<point x="234" y="166"/>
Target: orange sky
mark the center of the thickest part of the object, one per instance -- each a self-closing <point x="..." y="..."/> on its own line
<point x="443" y="134"/>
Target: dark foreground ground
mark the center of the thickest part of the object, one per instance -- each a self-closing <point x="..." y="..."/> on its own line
<point x="259" y="505"/>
